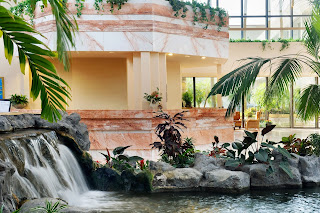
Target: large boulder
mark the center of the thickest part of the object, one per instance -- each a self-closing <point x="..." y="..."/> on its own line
<point x="6" y="197"/>
<point x="183" y="178"/>
<point x="222" y="180"/>
<point x="106" y="179"/>
<point x="309" y="167"/>
<point x="204" y="163"/>
<point x="278" y="179"/>
<point x="160" y="166"/>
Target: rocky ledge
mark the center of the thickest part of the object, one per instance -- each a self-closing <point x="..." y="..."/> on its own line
<point x="69" y="126"/>
<point x="209" y="174"/>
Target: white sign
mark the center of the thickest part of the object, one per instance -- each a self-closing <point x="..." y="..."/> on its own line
<point x="5" y="105"/>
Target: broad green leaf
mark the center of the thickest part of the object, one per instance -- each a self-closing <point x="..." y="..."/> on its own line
<point x="284" y="152"/>
<point x="249" y="134"/>
<point x="225" y="145"/>
<point x="123" y="157"/>
<point x="232" y="163"/>
<point x="135" y="158"/>
<point x="119" y="150"/>
<point x="262" y="155"/>
<point x="286" y="168"/>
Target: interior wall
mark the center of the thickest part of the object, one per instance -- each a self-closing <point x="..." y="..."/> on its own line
<point x="174" y="85"/>
<point x="14" y="81"/>
<point x="96" y="84"/>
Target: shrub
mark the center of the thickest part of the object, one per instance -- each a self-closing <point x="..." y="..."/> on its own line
<point x="187" y="97"/>
<point x="315" y="142"/>
<point x="298" y="146"/>
<point x="18" y="99"/>
<point x="173" y="150"/>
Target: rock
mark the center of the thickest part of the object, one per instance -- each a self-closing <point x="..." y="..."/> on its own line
<point x="309" y="167"/>
<point x="5" y="125"/>
<point x="140" y="182"/>
<point x="204" y="163"/>
<point x="223" y="180"/>
<point x="183" y="178"/>
<point x="106" y="179"/>
<point x="6" y="197"/>
<point x="68" y="125"/>
<point x="23" y="121"/>
<point x="160" y="166"/>
<point x="159" y="180"/>
<point x="278" y="179"/>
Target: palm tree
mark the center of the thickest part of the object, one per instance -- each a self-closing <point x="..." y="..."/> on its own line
<point x="46" y="83"/>
<point x="285" y="71"/>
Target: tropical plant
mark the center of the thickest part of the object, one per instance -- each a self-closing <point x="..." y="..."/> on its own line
<point x="119" y="161"/>
<point x="174" y="151"/>
<point x="298" y="146"/>
<point x="18" y="99"/>
<point x="218" y="151"/>
<point x="187" y="97"/>
<point x="250" y="151"/>
<point x="34" y="54"/>
<point x="285" y="71"/>
<point x="315" y="141"/>
<point x="51" y="207"/>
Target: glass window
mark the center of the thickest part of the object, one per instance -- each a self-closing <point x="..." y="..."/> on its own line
<point x="235" y="34"/>
<point x="254" y="7"/>
<point x="298" y="34"/>
<point x="255" y="34"/>
<point x="279" y="7"/>
<point x="299" y="21"/>
<point x="276" y="34"/>
<point x="279" y="22"/>
<point x="254" y="22"/>
<point x="232" y="6"/>
<point x="279" y="110"/>
<point x="302" y="7"/>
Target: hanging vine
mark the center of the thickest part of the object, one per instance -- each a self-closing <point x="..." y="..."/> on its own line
<point x="203" y="13"/>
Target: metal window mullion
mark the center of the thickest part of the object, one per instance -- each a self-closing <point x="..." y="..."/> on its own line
<point x="194" y="92"/>
<point x="291" y="19"/>
<point x="267" y="19"/>
<point x="241" y="16"/>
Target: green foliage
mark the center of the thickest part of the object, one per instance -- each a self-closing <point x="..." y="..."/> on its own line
<point x="298" y="146"/>
<point x="183" y="159"/>
<point x="187" y="97"/>
<point x="98" y="4"/>
<point x="217" y="150"/>
<point x="250" y="151"/>
<point x="285" y="43"/>
<point x="315" y="142"/>
<point x="154" y="97"/>
<point x="180" y="9"/>
<point x="46" y="82"/>
<point x="51" y="207"/>
<point x="79" y="5"/>
<point x="174" y="151"/>
<point x="18" y="99"/>
<point x="284" y="71"/>
<point x="119" y="161"/>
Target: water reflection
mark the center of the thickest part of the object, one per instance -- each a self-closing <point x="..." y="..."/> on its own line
<point x="304" y="200"/>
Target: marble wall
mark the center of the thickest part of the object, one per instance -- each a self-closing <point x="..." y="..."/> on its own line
<point x="141" y="25"/>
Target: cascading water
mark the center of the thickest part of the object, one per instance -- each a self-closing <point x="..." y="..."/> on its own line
<point x="43" y="166"/>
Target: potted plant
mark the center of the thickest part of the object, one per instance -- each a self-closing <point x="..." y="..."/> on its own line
<point x="154" y="99"/>
<point x="187" y="98"/>
<point x="19" y="101"/>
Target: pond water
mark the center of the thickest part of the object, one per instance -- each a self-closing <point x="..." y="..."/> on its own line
<point x="304" y="200"/>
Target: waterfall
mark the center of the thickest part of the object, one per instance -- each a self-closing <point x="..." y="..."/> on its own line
<point x="43" y="166"/>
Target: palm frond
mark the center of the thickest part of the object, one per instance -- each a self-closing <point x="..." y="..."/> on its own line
<point x="33" y="53"/>
<point x="309" y="102"/>
<point x="312" y="39"/>
<point x="238" y="82"/>
<point x="66" y="28"/>
<point x="287" y="70"/>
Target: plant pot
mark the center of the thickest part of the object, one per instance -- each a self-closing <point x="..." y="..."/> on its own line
<point x="154" y="106"/>
<point x="19" y="106"/>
